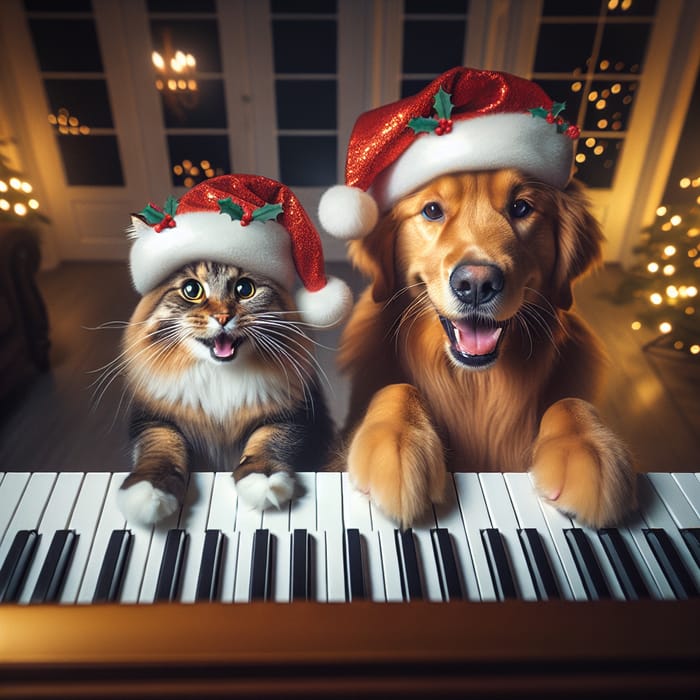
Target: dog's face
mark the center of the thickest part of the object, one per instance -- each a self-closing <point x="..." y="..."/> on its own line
<point x="488" y="253"/>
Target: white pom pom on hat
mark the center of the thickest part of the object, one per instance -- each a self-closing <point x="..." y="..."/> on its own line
<point x="248" y="221"/>
<point x="464" y="120"/>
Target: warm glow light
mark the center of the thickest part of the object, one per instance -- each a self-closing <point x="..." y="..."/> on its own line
<point x="3" y="186"/>
<point x="696" y="182"/>
<point x="612" y="4"/>
<point x="694" y="349"/>
<point x="636" y="325"/>
<point x="675" y="219"/>
<point x="33" y="204"/>
<point x="615" y="89"/>
<point x="656" y="298"/>
<point x="661" y="211"/>
<point x="691" y="291"/>
<point x="15" y="183"/>
<point x="653" y="267"/>
<point x="4" y="205"/>
<point x="672" y="292"/>
<point x="600" y="104"/>
<point x="26" y="187"/>
<point x="670" y="250"/>
<point x="667" y="226"/>
<point x="678" y="345"/>
<point x="580" y="157"/>
<point x="684" y="183"/>
<point x="602" y="123"/>
<point x="665" y="327"/>
<point x="590" y="142"/>
<point x="576" y="87"/>
<point x="598" y="150"/>
<point x="20" y="209"/>
<point x="158" y="61"/>
<point x="669" y="270"/>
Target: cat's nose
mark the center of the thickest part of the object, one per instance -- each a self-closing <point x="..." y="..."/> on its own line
<point x="223" y="319"/>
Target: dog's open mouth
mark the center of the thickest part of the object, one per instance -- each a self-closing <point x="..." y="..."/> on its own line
<point x="223" y="346"/>
<point x="474" y="341"/>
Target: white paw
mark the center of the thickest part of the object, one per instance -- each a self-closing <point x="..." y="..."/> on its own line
<point x="262" y="491"/>
<point x="144" y="504"/>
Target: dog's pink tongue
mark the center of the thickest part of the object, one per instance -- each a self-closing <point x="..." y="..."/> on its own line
<point x="475" y="339"/>
<point x="223" y="346"/>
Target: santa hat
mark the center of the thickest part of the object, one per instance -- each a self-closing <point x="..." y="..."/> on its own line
<point x="245" y="220"/>
<point x="465" y="120"/>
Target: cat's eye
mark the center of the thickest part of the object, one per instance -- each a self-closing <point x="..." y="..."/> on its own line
<point x="432" y="211"/>
<point x="245" y="288"/>
<point x="192" y="290"/>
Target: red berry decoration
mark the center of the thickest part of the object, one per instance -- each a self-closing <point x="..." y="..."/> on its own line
<point x="550" y="118"/>
<point x="573" y="132"/>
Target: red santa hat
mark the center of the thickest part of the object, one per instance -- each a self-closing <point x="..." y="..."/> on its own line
<point x="465" y="120"/>
<point x="245" y="220"/>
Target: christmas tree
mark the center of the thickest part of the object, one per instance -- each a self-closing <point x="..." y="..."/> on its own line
<point x="17" y="200"/>
<point x="664" y="280"/>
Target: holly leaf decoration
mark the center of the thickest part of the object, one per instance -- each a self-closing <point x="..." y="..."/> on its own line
<point x="151" y="214"/>
<point x="558" y="108"/>
<point x="443" y="104"/>
<point x="539" y="112"/>
<point x="170" y="205"/>
<point x="423" y="124"/>
<point x="228" y="206"/>
<point x="267" y="212"/>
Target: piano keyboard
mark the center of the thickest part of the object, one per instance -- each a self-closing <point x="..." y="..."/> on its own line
<point x="63" y="540"/>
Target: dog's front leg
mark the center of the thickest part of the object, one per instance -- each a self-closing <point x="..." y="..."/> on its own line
<point x="581" y="466"/>
<point x="396" y="456"/>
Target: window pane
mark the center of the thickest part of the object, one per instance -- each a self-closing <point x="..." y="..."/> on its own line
<point x="181" y="6"/>
<point x="610" y="105"/>
<point x="86" y="101"/>
<point x="306" y="104"/>
<point x="196" y="158"/>
<point x="568" y="91"/>
<point x="195" y="104"/>
<point x="432" y="47"/>
<point x="571" y="8"/>
<point x="412" y="87"/>
<point x="53" y="6"/>
<point x="307" y="161"/>
<point x="325" y="7"/>
<point x="66" y="45"/>
<point x="596" y="160"/>
<point x="639" y="8"/>
<point x="304" y="46"/>
<point x="564" y="48"/>
<point x="91" y="160"/>
<point x="623" y="47"/>
<point x="198" y="37"/>
<point x="431" y="7"/>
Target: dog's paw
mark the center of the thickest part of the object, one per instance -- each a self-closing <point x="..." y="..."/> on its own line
<point x="581" y="467"/>
<point x="396" y="457"/>
<point x="261" y="491"/>
<point x="144" y="504"/>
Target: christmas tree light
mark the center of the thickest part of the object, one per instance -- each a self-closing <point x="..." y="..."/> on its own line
<point x="17" y="200"/>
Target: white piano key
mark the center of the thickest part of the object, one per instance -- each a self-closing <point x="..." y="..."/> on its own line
<point x="690" y="486"/>
<point x="527" y="510"/>
<point x="30" y="507"/>
<point x="657" y="515"/>
<point x="222" y="516"/>
<point x="503" y="518"/>
<point x="449" y="516"/>
<point x="356" y="514"/>
<point x="476" y="518"/>
<point x="302" y="513"/>
<point x="193" y="519"/>
<point x="329" y="517"/>
<point x="276" y="520"/>
<point x="317" y="542"/>
<point x="384" y="528"/>
<point x="675" y="501"/>
<point x="241" y="590"/>
<point x="56" y="517"/>
<point x="84" y="520"/>
<point x="11" y="491"/>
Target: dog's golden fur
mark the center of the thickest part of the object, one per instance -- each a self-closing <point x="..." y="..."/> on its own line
<point x="416" y="410"/>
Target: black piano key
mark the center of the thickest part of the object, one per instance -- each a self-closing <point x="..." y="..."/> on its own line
<point x="109" y="580"/>
<point x="591" y="575"/>
<point x="670" y="562"/>
<point x="260" y="571"/>
<point x="16" y="565"/>
<point x="300" y="566"/>
<point x="210" y="566"/>
<point x="497" y="557"/>
<point x="355" y="587"/>
<point x="448" y="572"/>
<point x="539" y="565"/>
<point x="168" y="584"/>
<point x="411" y="582"/>
<point x="55" y="566"/>
<point x="691" y="536"/>
<point x="626" y="570"/>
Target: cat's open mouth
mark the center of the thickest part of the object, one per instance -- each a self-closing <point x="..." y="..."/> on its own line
<point x="223" y="346"/>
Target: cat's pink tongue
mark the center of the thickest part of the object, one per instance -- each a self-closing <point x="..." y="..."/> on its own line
<point x="475" y="339"/>
<point x="223" y="346"/>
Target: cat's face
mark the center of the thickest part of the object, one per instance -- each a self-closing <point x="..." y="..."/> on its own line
<point x="209" y="312"/>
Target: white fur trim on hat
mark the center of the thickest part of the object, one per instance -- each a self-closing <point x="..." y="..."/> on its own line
<point x="262" y="247"/>
<point x="347" y="212"/>
<point x="326" y="307"/>
<point x="489" y="142"/>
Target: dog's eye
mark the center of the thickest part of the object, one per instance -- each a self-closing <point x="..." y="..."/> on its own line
<point x="432" y="211"/>
<point x="520" y="208"/>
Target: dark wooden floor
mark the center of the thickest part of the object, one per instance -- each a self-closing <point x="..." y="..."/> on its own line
<point x="59" y="423"/>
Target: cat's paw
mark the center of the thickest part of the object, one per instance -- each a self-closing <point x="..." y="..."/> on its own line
<point x="261" y="491"/>
<point x="144" y="504"/>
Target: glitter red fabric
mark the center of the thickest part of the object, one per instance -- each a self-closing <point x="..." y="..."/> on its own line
<point x="381" y="135"/>
<point x="252" y="192"/>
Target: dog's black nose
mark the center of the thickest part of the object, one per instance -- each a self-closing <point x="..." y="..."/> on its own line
<point x="475" y="284"/>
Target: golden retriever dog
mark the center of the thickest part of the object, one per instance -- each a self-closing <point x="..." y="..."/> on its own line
<point x="464" y="353"/>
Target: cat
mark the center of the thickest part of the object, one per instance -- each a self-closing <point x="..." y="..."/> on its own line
<point x="219" y="368"/>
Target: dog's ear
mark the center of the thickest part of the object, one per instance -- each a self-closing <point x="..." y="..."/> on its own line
<point x="373" y="255"/>
<point x="579" y="242"/>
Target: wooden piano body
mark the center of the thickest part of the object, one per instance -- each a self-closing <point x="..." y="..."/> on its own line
<point x="475" y="647"/>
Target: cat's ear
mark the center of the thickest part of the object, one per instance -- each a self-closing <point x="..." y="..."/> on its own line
<point x="138" y="227"/>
